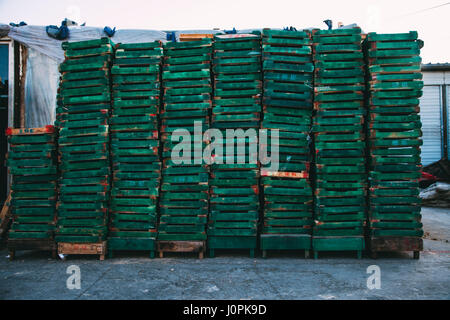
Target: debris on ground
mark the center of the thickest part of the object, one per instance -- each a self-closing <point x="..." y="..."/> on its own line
<point x="436" y="195"/>
<point x="440" y="169"/>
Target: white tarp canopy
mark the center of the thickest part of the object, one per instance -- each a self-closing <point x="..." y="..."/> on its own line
<point x="36" y="38"/>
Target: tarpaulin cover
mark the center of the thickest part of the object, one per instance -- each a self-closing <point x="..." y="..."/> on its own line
<point x="41" y="85"/>
<point x="36" y="37"/>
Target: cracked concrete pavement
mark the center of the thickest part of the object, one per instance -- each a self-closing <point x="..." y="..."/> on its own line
<point x="33" y="275"/>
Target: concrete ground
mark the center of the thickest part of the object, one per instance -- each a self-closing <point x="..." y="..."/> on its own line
<point x="234" y="276"/>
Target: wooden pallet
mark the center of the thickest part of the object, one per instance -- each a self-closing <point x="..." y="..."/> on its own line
<point x="181" y="246"/>
<point x="293" y="175"/>
<point x="30" y="244"/>
<point x="395" y="244"/>
<point x="98" y="248"/>
<point x="195" y="36"/>
<point x="27" y="131"/>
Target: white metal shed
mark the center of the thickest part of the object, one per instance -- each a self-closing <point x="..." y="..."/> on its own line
<point x="434" y="112"/>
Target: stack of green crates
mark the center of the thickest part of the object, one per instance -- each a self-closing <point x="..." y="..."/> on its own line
<point x="135" y="143"/>
<point x="287" y="107"/>
<point x="394" y="83"/>
<point x="235" y="198"/>
<point x="186" y="102"/>
<point x="84" y="141"/>
<point x="32" y="164"/>
<point x="338" y="127"/>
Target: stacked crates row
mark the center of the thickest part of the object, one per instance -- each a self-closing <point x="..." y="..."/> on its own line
<point x="186" y="111"/>
<point x="338" y="127"/>
<point x="235" y="197"/>
<point x="83" y="147"/>
<point x="136" y="165"/>
<point x="287" y="107"/>
<point x="33" y="167"/>
<point x="394" y="139"/>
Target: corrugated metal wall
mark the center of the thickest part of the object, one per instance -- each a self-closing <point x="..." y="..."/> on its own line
<point x="431" y="116"/>
<point x="448" y="118"/>
<point x="432" y="113"/>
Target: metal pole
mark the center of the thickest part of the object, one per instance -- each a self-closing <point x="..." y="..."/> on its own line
<point x="445" y="120"/>
<point x="11" y="98"/>
<point x="24" y="55"/>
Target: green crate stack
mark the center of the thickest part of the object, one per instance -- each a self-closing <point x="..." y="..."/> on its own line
<point x="338" y="127"/>
<point x="237" y="81"/>
<point x="187" y="100"/>
<point x="235" y="198"/>
<point x="287" y="106"/>
<point x="135" y="144"/>
<point x="32" y="163"/>
<point x="394" y="134"/>
<point x="83" y="146"/>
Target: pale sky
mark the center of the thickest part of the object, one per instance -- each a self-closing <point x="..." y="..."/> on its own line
<point x="383" y="16"/>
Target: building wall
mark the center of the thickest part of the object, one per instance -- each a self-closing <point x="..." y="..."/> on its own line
<point x="433" y="109"/>
<point x="4" y="76"/>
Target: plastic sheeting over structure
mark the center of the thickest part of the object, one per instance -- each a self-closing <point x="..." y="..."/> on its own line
<point x="40" y="89"/>
<point x="36" y="37"/>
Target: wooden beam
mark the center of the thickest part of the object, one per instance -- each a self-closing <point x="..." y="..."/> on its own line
<point x="195" y="36"/>
<point x="23" y="131"/>
<point x="11" y="77"/>
<point x="23" y="56"/>
<point x="5" y="208"/>
<point x="4" y="215"/>
<point x="445" y="121"/>
<point x="294" y="175"/>
<point x="11" y="98"/>
<point x="16" y="85"/>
